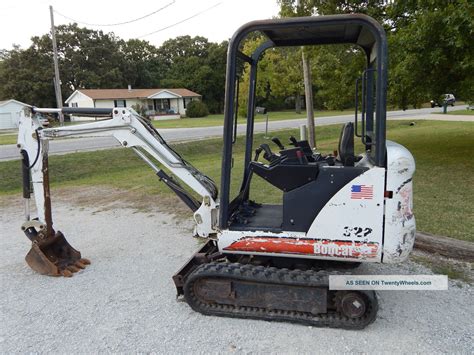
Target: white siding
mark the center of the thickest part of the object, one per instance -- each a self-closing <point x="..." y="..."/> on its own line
<point x="109" y="103"/>
<point x="164" y="95"/>
<point x="181" y="108"/>
<point x="104" y="103"/>
<point x="81" y="100"/>
<point x="6" y="120"/>
<point x="133" y="102"/>
<point x="10" y="114"/>
<point x="175" y="105"/>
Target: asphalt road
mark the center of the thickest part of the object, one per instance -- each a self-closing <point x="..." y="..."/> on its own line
<point x="63" y="146"/>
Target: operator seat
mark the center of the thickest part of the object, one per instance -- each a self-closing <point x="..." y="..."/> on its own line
<point x="346" y="145"/>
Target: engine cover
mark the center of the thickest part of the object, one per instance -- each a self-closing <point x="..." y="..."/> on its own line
<point x="400" y="226"/>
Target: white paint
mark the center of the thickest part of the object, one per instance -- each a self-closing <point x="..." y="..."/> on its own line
<point x="130" y="132"/>
<point x="82" y="100"/>
<point x="400" y="225"/>
<point x="164" y="94"/>
<point x="341" y="211"/>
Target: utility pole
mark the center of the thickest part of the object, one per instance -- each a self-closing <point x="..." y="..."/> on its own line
<point x="57" y="81"/>
<point x="308" y="92"/>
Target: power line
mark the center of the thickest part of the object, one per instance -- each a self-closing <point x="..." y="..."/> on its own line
<point x="118" y="23"/>
<point x="179" y="22"/>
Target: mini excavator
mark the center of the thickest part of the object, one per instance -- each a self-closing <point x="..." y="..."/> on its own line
<point x="259" y="260"/>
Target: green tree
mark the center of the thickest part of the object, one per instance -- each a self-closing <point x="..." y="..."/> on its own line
<point x="27" y="75"/>
<point x="141" y="65"/>
<point x="335" y="69"/>
<point x="433" y="54"/>
<point x="198" y="65"/>
<point x="94" y="59"/>
<point x="430" y="43"/>
<point x="279" y="77"/>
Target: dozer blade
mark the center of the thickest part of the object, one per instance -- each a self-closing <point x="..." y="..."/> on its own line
<point x="54" y="256"/>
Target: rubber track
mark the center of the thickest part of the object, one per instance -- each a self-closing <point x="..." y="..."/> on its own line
<point x="272" y="275"/>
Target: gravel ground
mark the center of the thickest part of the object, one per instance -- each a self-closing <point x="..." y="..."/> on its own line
<point x="125" y="301"/>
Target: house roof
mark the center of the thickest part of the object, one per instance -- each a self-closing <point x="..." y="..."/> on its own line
<point x="98" y="94"/>
<point x="4" y="102"/>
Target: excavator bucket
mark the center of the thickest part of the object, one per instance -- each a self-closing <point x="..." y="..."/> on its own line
<point x="54" y="256"/>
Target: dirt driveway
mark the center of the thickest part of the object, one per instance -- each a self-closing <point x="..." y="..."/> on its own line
<point x="125" y="301"/>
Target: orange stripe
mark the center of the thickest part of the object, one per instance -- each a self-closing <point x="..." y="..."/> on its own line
<point x="300" y="246"/>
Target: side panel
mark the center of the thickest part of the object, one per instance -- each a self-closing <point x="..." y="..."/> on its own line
<point x="355" y="214"/>
<point x="302" y="205"/>
<point x="400" y="226"/>
<point x="349" y="228"/>
<point x="295" y="245"/>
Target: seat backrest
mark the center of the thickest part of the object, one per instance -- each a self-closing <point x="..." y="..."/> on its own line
<point x="346" y="145"/>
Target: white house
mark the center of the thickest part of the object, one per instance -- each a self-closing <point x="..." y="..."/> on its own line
<point x="156" y="102"/>
<point x="10" y="113"/>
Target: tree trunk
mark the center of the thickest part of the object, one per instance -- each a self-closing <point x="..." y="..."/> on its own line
<point x="308" y="91"/>
<point x="297" y="103"/>
<point x="448" y="247"/>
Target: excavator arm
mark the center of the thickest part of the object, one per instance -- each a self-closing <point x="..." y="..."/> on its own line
<point x="51" y="254"/>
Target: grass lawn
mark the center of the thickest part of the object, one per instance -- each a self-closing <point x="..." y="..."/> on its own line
<point x="8" y="139"/>
<point x="462" y="112"/>
<point x="218" y="120"/>
<point x="444" y="183"/>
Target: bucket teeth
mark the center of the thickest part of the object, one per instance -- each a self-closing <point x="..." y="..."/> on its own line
<point x="73" y="268"/>
<point x="66" y="273"/>
<point x="54" y="256"/>
<point x="79" y="265"/>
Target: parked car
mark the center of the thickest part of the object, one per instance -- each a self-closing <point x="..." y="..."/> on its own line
<point x="446" y="99"/>
<point x="43" y="120"/>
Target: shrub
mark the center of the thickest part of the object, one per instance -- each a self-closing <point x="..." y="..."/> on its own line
<point x="141" y="109"/>
<point x="196" y="109"/>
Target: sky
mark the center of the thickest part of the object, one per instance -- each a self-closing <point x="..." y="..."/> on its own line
<point x="216" y="20"/>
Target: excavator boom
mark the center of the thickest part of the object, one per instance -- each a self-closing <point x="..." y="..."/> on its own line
<point x="51" y="254"/>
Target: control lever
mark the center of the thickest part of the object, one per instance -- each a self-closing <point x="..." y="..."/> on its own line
<point x="278" y="143"/>
<point x="268" y="155"/>
<point x="293" y="141"/>
<point x="257" y="153"/>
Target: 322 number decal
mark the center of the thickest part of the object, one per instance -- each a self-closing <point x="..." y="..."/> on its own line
<point x="358" y="232"/>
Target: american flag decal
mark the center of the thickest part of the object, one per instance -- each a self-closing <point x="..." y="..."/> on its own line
<point x="362" y="192"/>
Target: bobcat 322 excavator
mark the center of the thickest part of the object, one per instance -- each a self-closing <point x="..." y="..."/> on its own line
<point x="263" y="261"/>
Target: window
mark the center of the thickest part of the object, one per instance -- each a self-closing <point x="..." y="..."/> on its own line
<point x="120" y="103"/>
<point x="161" y="105"/>
<point x="74" y="104"/>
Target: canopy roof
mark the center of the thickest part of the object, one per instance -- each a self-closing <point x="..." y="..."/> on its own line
<point x="356" y="29"/>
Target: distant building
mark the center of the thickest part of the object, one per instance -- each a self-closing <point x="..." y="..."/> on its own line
<point x="10" y="113"/>
<point x="155" y="102"/>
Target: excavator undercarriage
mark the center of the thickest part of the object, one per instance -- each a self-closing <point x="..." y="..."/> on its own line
<point x="213" y="285"/>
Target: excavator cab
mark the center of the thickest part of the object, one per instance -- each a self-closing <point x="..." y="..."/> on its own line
<point x="298" y="171"/>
